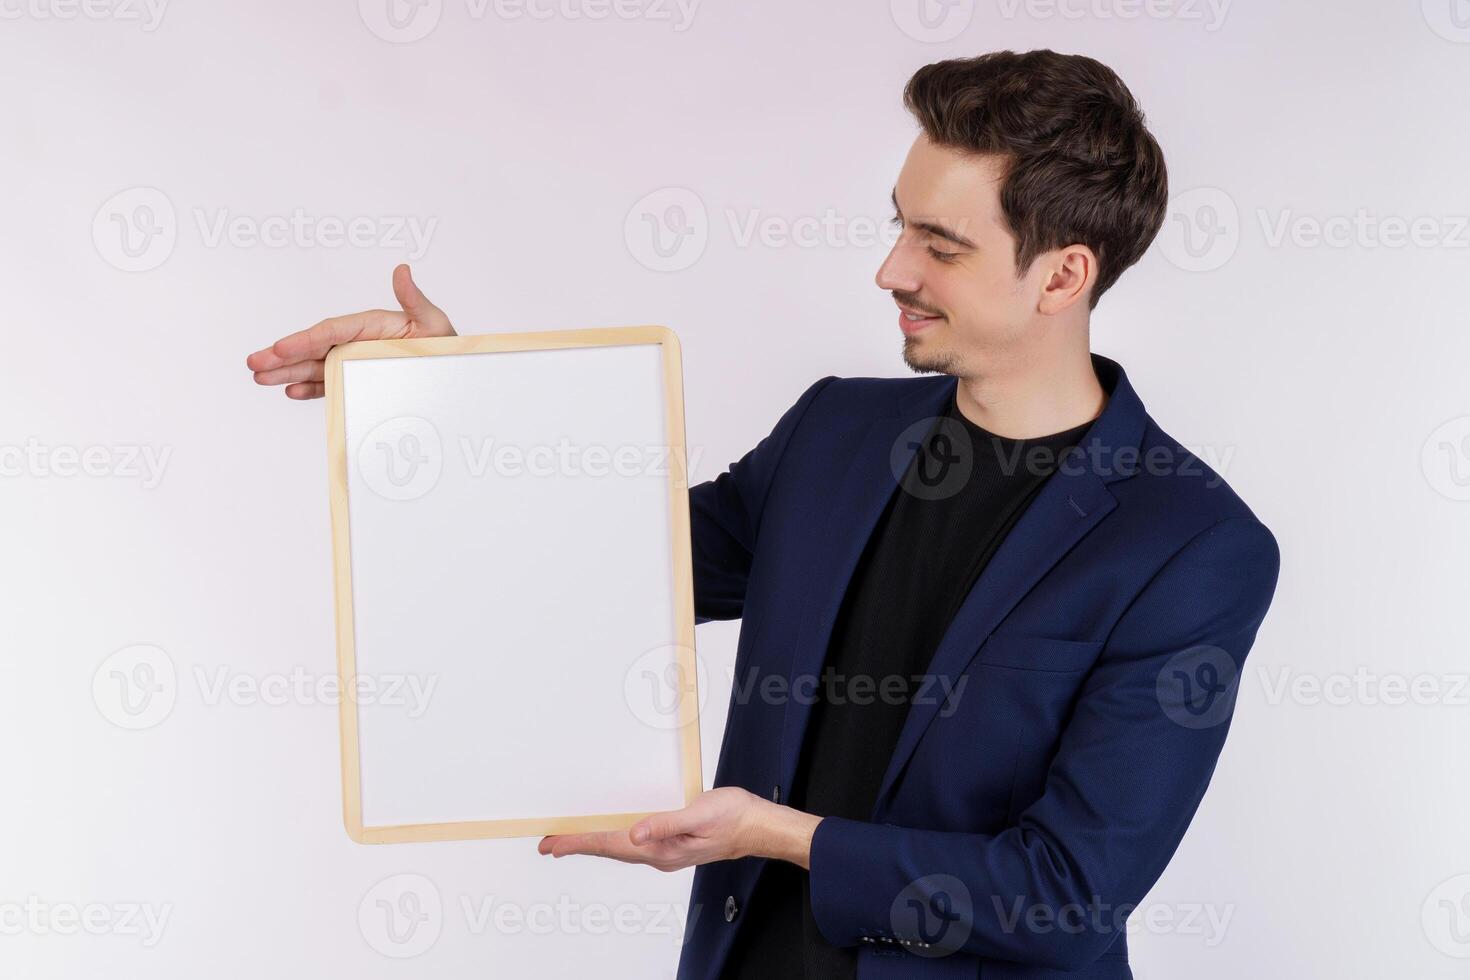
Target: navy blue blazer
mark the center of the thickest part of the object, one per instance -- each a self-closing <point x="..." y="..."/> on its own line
<point x="1079" y="698"/>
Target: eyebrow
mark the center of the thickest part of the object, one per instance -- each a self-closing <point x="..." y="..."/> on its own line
<point x="938" y="231"/>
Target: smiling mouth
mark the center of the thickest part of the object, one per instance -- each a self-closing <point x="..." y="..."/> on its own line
<point x="911" y="321"/>
<point x="914" y="313"/>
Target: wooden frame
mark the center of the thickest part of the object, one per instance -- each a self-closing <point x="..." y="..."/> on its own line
<point x="683" y="590"/>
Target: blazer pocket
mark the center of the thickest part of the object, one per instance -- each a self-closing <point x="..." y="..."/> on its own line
<point x="1037" y="652"/>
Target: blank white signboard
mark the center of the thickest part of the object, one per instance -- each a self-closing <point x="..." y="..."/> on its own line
<point x="514" y="600"/>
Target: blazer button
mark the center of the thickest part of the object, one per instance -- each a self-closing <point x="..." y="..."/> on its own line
<point x="776" y="793"/>
<point x="731" y="909"/>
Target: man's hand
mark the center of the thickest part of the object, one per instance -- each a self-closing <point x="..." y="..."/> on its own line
<point x="298" y="361"/>
<point x="720" y="825"/>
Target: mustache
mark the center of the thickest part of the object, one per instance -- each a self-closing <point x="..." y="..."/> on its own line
<point x="912" y="302"/>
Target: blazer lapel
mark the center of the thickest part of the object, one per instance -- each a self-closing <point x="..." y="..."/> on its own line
<point x="1065" y="509"/>
<point x="1070" y="504"/>
<point x="858" y="499"/>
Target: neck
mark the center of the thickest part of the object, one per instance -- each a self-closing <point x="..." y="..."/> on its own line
<point x="1035" y="398"/>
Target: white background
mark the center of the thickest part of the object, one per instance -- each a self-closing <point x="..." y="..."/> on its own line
<point x="1319" y="375"/>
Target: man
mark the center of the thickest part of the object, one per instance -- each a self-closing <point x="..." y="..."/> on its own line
<point x="1009" y="608"/>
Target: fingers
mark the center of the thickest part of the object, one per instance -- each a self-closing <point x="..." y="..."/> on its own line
<point x="296" y="360"/>
<point x="313" y="343"/>
<point x="418" y="316"/>
<point x="662" y="826"/>
<point x="615" y="845"/>
<point x="290" y="373"/>
<point x="303" y="380"/>
<point x="609" y="843"/>
<point x="305" y="390"/>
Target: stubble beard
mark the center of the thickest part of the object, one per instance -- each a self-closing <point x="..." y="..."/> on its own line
<point x="924" y="362"/>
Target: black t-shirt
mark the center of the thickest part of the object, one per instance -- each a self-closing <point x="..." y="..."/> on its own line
<point x="958" y="499"/>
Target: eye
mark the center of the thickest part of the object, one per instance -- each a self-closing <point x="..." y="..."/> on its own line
<point x="942" y="256"/>
<point x="896" y="221"/>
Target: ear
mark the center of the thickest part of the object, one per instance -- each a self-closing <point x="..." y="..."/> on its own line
<point x="1070" y="273"/>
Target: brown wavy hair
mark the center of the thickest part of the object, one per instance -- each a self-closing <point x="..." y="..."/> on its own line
<point x="1081" y="167"/>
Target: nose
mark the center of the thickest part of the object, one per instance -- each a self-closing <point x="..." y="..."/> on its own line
<point x="899" y="271"/>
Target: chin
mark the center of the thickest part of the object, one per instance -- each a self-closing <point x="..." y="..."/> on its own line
<point x="923" y="359"/>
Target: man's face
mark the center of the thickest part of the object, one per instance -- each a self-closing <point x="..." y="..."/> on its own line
<point x="954" y="264"/>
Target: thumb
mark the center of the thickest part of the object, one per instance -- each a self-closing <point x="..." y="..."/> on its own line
<point x="408" y="294"/>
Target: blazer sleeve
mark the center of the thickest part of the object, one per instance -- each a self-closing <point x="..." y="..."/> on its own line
<point x="1130" y="771"/>
<point x="725" y="518"/>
